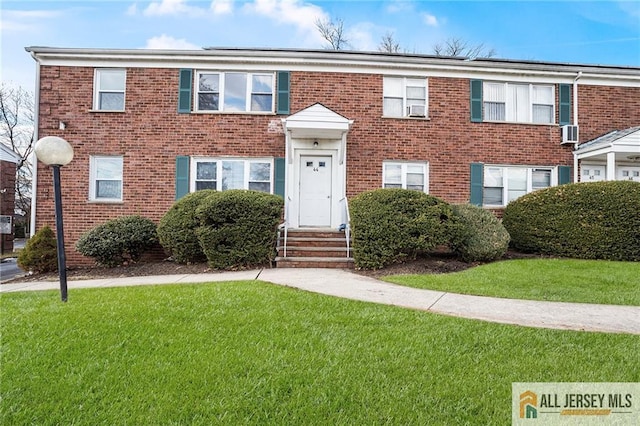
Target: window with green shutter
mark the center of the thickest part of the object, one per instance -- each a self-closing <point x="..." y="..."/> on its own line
<point x="279" y="173"/>
<point x="184" y="91"/>
<point x="564" y="175"/>
<point x="477" y="183"/>
<point x="283" y="92"/>
<point x="182" y="176"/>
<point x="476" y="101"/>
<point x="565" y="104"/>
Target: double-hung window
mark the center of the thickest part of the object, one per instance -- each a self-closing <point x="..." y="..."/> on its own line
<point x="232" y="173"/>
<point x="105" y="178"/>
<point x="518" y="103"/>
<point x="404" y="97"/>
<point x="234" y="91"/>
<point x="405" y="175"/>
<point x="505" y="184"/>
<point x="109" y="89"/>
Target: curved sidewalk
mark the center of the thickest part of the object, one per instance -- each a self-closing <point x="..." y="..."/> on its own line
<point x="345" y="284"/>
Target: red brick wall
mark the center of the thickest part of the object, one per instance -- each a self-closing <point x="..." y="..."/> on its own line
<point x="7" y="200"/>
<point x="150" y="134"/>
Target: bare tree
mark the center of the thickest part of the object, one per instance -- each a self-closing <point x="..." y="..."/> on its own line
<point x="17" y="119"/>
<point x="333" y="33"/>
<point x="454" y="46"/>
<point x="388" y="44"/>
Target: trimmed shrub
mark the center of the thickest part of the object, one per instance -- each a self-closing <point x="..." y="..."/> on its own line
<point x="40" y="253"/>
<point x="480" y="236"/>
<point x="390" y="225"/>
<point x="238" y="228"/>
<point x="595" y="220"/>
<point x="177" y="228"/>
<point x="119" y="240"/>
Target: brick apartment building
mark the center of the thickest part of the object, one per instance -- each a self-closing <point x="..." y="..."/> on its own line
<point x="8" y="165"/>
<point x="319" y="127"/>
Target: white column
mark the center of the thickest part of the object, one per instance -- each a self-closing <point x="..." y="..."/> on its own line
<point x="611" y="166"/>
<point x="576" y="173"/>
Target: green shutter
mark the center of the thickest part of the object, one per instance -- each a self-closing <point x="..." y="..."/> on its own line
<point x="564" y="175"/>
<point x="182" y="176"/>
<point x="184" y="92"/>
<point x="477" y="183"/>
<point x="283" y="92"/>
<point x="278" y="179"/>
<point x="565" y="104"/>
<point x="476" y="101"/>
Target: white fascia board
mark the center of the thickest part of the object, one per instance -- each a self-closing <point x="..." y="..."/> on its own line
<point x="336" y="62"/>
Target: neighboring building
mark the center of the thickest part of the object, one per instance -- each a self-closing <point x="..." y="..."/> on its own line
<point x="8" y="165"/>
<point x="317" y="127"/>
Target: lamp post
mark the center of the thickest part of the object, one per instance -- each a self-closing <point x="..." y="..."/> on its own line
<point x="56" y="152"/>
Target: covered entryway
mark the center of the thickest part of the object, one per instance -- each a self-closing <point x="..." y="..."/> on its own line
<point x="613" y="156"/>
<point x="315" y="169"/>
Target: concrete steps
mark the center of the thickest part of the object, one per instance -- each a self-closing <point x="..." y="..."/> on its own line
<point x="314" y="248"/>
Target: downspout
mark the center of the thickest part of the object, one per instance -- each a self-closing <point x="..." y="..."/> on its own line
<point x="34" y="178"/>
<point x="575" y="123"/>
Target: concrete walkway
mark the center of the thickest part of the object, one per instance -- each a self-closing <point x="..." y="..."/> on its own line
<point x="345" y="284"/>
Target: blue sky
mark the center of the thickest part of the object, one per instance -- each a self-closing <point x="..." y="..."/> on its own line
<point x="591" y="32"/>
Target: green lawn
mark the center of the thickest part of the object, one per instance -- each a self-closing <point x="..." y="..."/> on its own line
<point x="255" y="353"/>
<point x="566" y="280"/>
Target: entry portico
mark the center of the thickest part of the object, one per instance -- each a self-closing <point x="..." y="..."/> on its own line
<point x="613" y="156"/>
<point x="315" y="168"/>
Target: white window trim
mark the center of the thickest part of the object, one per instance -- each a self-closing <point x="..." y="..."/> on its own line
<point x="505" y="180"/>
<point x="93" y="169"/>
<point x="531" y="103"/>
<point x="97" y="90"/>
<point x="221" y="83"/>
<point x="218" y="160"/>
<point x="403" y="172"/>
<point x="405" y="106"/>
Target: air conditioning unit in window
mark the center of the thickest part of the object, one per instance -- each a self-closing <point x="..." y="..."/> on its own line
<point x="569" y="134"/>
<point x="417" y="111"/>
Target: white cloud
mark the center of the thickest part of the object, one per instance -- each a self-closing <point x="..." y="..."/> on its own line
<point x="399" y="6"/>
<point x="132" y="10"/>
<point x="25" y="20"/>
<point x="291" y="12"/>
<point x="221" y="7"/>
<point x="430" y="20"/>
<point x="171" y="7"/>
<point x="167" y="42"/>
<point x="360" y="37"/>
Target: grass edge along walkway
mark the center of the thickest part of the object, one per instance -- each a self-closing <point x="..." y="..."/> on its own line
<point x="252" y="353"/>
<point x="556" y="280"/>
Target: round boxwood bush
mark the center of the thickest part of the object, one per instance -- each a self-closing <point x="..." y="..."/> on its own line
<point x="119" y="240"/>
<point x="479" y="236"/>
<point x="238" y="228"/>
<point x="177" y="228"/>
<point x="40" y="253"/>
<point x="390" y="225"/>
<point x="595" y="220"/>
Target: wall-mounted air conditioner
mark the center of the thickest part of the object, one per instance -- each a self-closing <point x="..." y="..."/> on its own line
<point x="569" y="134"/>
<point x="417" y="111"/>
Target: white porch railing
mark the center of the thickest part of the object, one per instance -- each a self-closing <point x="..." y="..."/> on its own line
<point x="347" y="224"/>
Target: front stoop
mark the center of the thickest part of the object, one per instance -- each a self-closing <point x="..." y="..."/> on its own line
<point x="314" y="248"/>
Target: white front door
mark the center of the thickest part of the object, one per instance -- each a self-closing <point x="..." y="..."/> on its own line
<point x="315" y="191"/>
<point x="592" y="173"/>
<point x="628" y="173"/>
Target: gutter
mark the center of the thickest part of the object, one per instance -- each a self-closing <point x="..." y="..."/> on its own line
<point x="576" y="175"/>
<point x="34" y="178"/>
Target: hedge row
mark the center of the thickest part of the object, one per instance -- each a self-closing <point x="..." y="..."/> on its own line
<point x="596" y="220"/>
<point x="390" y="225"/>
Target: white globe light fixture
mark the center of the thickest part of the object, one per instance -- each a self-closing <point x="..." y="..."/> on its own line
<point x="56" y="152"/>
<point x="53" y="151"/>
